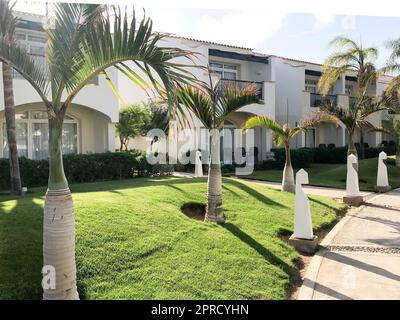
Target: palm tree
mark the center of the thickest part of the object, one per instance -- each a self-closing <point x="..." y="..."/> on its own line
<point x="356" y="116"/>
<point x="393" y="67"/>
<point x="212" y="105"/>
<point x="283" y="135"/>
<point x="392" y="128"/>
<point x="82" y="43"/>
<point x="351" y="58"/>
<point x="7" y="27"/>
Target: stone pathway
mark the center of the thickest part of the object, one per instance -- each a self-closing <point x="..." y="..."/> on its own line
<point x="360" y="257"/>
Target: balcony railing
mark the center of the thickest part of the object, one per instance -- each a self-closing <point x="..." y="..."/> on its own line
<point x="318" y="100"/>
<point x="242" y="83"/>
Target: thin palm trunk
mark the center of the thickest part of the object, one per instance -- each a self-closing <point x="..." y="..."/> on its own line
<point x="398" y="153"/>
<point x="362" y="148"/>
<point x="9" y="110"/>
<point x="215" y="211"/>
<point x="288" y="175"/>
<point x="59" y="223"/>
<point x="352" y="148"/>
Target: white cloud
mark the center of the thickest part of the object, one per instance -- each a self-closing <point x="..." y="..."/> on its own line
<point x="239" y="27"/>
<point x="323" y="20"/>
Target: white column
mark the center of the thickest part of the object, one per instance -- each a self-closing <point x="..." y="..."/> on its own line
<point x="111" y="137"/>
<point x="343" y="135"/>
<point x="302" y="139"/>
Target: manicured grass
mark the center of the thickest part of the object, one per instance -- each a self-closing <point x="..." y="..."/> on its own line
<point x="334" y="175"/>
<point x="133" y="242"/>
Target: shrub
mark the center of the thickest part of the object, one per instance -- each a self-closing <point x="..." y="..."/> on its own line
<point x="339" y="155"/>
<point x="301" y="158"/>
<point x="85" y="168"/>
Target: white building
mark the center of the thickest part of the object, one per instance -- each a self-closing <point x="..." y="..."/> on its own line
<point x="89" y="123"/>
<point x="287" y="91"/>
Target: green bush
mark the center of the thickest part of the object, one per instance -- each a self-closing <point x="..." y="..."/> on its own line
<point x="339" y="155"/>
<point x="85" y="168"/>
<point x="301" y="158"/>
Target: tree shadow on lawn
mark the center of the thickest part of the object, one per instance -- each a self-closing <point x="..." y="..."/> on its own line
<point x="254" y="193"/>
<point x="21" y="249"/>
<point x="338" y="212"/>
<point x="265" y="253"/>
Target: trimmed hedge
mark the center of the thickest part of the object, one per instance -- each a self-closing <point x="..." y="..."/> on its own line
<point x="85" y="168"/>
<point x="301" y="158"/>
<point x="339" y="155"/>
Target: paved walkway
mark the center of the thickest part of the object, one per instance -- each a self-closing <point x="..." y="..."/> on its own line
<point x="319" y="191"/>
<point x="360" y="257"/>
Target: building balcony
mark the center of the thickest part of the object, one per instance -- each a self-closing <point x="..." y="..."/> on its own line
<point x="242" y="83"/>
<point x="317" y="100"/>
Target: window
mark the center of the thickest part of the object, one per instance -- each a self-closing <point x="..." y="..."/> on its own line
<point x="224" y="71"/>
<point x="310" y="138"/>
<point x="37" y="38"/>
<point x="311" y="85"/>
<point x="22" y="140"/>
<point x="349" y="89"/>
<point x="33" y="135"/>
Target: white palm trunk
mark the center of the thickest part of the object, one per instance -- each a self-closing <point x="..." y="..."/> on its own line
<point x="59" y="244"/>
<point x="59" y="224"/>
<point x="214" y="211"/>
<point x="288" y="175"/>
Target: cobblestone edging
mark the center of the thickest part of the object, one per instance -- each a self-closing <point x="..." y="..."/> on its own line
<point x="370" y="249"/>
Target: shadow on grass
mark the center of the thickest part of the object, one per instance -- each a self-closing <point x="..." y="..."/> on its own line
<point x="20" y="249"/>
<point x="252" y="192"/>
<point x="338" y="212"/>
<point x="265" y="253"/>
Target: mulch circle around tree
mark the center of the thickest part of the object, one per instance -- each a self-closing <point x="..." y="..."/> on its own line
<point x="194" y="210"/>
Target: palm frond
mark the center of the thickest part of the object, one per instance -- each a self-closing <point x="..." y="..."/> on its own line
<point x="64" y="45"/>
<point x="330" y="75"/>
<point x="8" y="21"/>
<point x="128" y="40"/>
<point x="197" y="102"/>
<point x="317" y="118"/>
<point x="266" y="122"/>
<point x="33" y="72"/>
<point x="230" y="98"/>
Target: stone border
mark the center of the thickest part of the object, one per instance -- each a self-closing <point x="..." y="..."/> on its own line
<point x="307" y="288"/>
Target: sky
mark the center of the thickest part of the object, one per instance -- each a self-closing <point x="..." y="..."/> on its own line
<point x="299" y="29"/>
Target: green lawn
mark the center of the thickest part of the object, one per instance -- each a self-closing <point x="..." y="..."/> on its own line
<point x="334" y="175"/>
<point x="133" y="242"/>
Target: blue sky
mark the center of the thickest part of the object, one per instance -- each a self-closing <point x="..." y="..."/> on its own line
<point x="302" y="36"/>
<point x="271" y="29"/>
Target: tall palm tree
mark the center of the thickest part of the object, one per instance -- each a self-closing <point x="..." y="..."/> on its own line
<point x="352" y="57"/>
<point x="83" y="41"/>
<point x="212" y="105"/>
<point x="283" y="135"/>
<point x="7" y="28"/>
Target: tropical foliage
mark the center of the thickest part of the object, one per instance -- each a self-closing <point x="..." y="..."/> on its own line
<point x="212" y="105"/>
<point x="352" y="58"/>
<point x="134" y="120"/>
<point x="8" y="24"/>
<point x="283" y="135"/>
<point x="85" y="40"/>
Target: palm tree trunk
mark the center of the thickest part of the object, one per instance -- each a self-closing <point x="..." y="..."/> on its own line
<point x="398" y="154"/>
<point x="214" y="210"/>
<point x="9" y="110"/>
<point x="288" y="175"/>
<point x="352" y="148"/>
<point x="59" y="223"/>
<point x="362" y="149"/>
